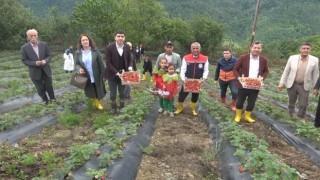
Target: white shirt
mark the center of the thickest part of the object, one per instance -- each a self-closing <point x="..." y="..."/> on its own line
<point x="120" y="49"/>
<point x="253" y="67"/>
<point x="35" y="48"/>
<point x="169" y="58"/>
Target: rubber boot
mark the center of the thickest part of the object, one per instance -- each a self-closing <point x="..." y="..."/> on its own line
<point x="233" y="104"/>
<point x="113" y="107"/>
<point x="143" y="77"/>
<point x="121" y="106"/>
<point x="238" y="115"/>
<point x="180" y="108"/>
<point x="98" y="104"/>
<point x="223" y="101"/>
<point x="247" y="116"/>
<point x="193" y="108"/>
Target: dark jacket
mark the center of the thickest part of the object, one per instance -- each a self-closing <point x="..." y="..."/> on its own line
<point x="225" y="66"/>
<point x="98" y="68"/>
<point x="29" y="58"/>
<point x="147" y="65"/>
<point x="242" y="67"/>
<point x="112" y="60"/>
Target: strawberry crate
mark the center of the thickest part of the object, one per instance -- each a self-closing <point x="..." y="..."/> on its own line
<point x="193" y="85"/>
<point x="130" y="77"/>
<point x="251" y="83"/>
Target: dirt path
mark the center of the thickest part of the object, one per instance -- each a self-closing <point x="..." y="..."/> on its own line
<point x="182" y="150"/>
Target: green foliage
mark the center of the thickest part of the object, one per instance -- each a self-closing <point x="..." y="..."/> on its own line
<point x="48" y="157"/>
<point x="148" y="150"/>
<point x="277" y="20"/>
<point x="69" y="119"/>
<point x="97" y="18"/>
<point x="208" y="33"/>
<point x="29" y="159"/>
<point x="101" y="120"/>
<point x="252" y="151"/>
<point x="96" y="173"/>
<point x="15" y="19"/>
<point x="81" y="153"/>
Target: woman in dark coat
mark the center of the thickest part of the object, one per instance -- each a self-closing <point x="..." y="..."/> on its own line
<point x="89" y="62"/>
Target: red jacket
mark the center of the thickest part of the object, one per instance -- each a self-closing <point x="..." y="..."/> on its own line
<point x="157" y="78"/>
<point x="171" y="84"/>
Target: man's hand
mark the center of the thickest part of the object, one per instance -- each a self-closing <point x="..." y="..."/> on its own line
<point x="43" y="62"/>
<point x="215" y="82"/>
<point x="280" y="87"/>
<point x="81" y="71"/>
<point x="38" y="63"/>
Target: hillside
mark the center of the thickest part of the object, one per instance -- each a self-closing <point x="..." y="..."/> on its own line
<point x="278" y="20"/>
<point x="284" y="19"/>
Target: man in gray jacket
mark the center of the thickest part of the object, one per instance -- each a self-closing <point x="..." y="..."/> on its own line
<point x="36" y="55"/>
<point x="172" y="57"/>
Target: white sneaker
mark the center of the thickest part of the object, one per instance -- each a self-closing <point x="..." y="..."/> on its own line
<point x="160" y="110"/>
<point x="171" y="114"/>
<point x="165" y="113"/>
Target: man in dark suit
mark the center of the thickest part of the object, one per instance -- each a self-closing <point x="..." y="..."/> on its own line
<point x="118" y="59"/>
<point x="36" y="55"/>
<point x="251" y="65"/>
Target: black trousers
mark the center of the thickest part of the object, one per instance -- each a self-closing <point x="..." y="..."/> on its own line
<point x="243" y="94"/>
<point x="43" y="86"/>
<point x="114" y="85"/>
<point x="183" y="95"/>
<point x="149" y="69"/>
<point x="317" y="118"/>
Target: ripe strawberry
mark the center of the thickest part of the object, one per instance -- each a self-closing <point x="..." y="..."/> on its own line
<point x="98" y="153"/>
<point x="241" y="169"/>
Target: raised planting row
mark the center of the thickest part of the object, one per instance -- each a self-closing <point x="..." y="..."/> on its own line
<point x="73" y="141"/>
<point x="15" y="81"/>
<point x="271" y="108"/>
<point x="29" y="112"/>
<point x="253" y="150"/>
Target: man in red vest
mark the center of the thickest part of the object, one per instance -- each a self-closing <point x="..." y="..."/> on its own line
<point x="194" y="66"/>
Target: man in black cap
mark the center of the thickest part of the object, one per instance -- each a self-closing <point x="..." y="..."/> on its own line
<point x="172" y="57"/>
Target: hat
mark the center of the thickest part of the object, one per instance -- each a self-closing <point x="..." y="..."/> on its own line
<point x="168" y="43"/>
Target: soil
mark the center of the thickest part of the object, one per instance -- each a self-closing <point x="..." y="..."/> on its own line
<point x="181" y="146"/>
<point x="181" y="142"/>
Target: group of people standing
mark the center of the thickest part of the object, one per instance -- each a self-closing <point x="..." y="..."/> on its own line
<point x="300" y="72"/>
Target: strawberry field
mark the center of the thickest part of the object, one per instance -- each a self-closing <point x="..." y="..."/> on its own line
<point x="70" y="139"/>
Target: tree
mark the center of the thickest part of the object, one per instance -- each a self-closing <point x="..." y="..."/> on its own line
<point x="141" y="19"/>
<point x="96" y="17"/>
<point x="208" y="33"/>
<point x="14" y="22"/>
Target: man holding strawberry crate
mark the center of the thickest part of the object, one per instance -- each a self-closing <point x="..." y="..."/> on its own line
<point x="118" y="60"/>
<point x="248" y="67"/>
<point x="194" y="66"/>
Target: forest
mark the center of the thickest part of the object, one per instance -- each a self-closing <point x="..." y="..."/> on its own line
<point x="214" y="23"/>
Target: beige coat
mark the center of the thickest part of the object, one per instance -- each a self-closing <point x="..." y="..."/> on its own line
<point x="290" y="71"/>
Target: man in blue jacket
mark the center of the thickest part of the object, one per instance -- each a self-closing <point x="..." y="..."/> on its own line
<point x="225" y="76"/>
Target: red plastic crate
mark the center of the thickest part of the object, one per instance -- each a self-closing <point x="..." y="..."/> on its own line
<point x="130" y="77"/>
<point x="193" y="85"/>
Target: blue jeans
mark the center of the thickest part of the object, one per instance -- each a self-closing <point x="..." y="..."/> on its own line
<point x="233" y="88"/>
